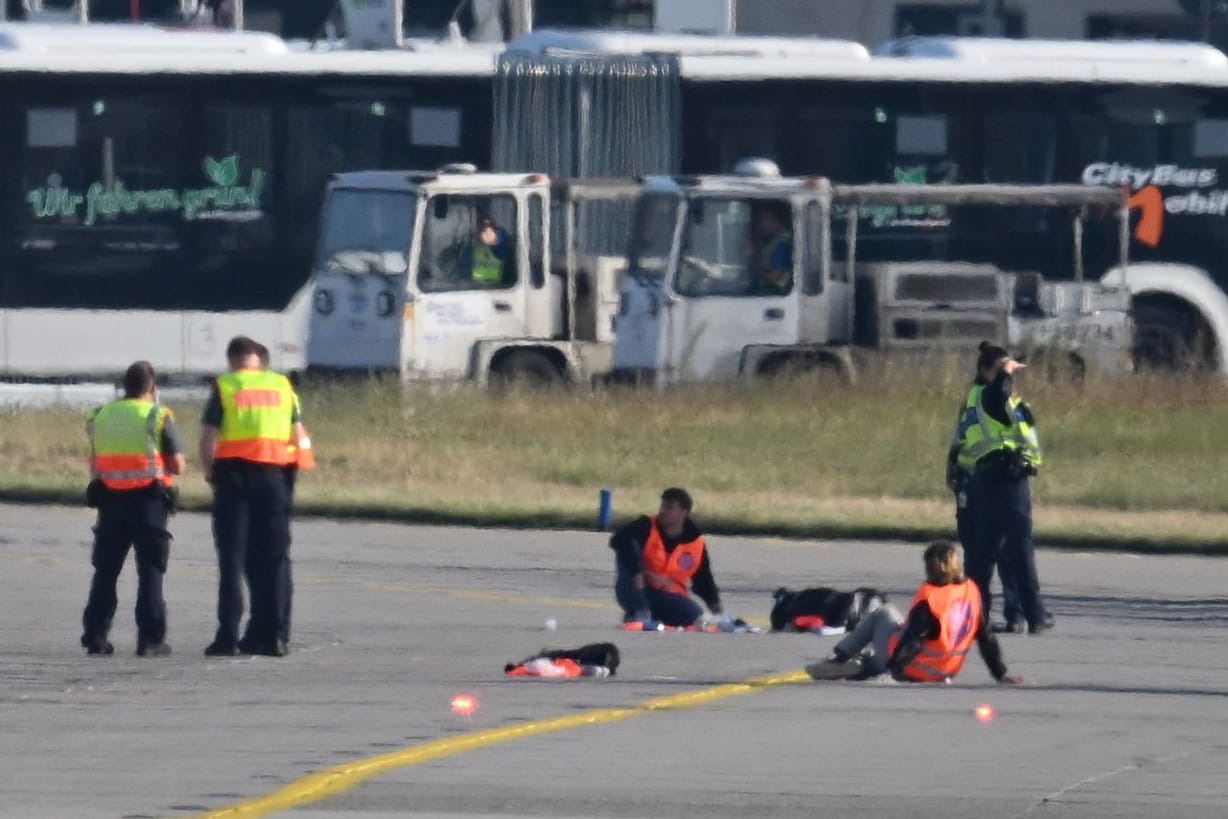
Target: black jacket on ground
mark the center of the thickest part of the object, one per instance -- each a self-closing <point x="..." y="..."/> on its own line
<point x="628" y="543"/>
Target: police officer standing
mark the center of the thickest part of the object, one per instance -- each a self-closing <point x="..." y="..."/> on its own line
<point x="999" y="449"/>
<point x="134" y="454"/>
<point x="252" y="441"/>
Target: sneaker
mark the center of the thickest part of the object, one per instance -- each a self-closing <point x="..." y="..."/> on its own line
<point x="1009" y="627"/>
<point x="153" y="650"/>
<point x="221" y="648"/>
<point x="97" y="645"/>
<point x="833" y="669"/>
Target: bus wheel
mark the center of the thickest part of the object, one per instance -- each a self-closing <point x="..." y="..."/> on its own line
<point x="528" y="368"/>
<point x="1169" y="335"/>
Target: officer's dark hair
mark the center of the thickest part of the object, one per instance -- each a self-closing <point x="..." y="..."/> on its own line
<point x="263" y="353"/>
<point x="139" y="379"/>
<point x="990" y="354"/>
<point x="242" y="347"/>
<point x="679" y="496"/>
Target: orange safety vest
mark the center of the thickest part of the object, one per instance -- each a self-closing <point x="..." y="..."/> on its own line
<point x="125" y="444"/>
<point x="670" y="571"/>
<point x="957" y="607"/>
<point x="257" y="411"/>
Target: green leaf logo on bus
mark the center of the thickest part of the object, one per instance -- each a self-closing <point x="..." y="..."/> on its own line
<point x="224" y="198"/>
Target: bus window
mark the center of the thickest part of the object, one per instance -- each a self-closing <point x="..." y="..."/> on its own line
<point x="237" y="147"/>
<point x="103" y="167"/>
<point x="1020" y="146"/>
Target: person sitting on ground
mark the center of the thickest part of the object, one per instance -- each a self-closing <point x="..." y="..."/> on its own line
<point x="945" y="619"/>
<point x="656" y="559"/>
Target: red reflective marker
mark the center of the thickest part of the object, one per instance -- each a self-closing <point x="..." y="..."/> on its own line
<point x="985" y="713"/>
<point x="464" y="705"/>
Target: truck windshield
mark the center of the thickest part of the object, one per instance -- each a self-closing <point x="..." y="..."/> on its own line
<point x="736" y="247"/>
<point x="656" y="217"/>
<point x="366" y="231"/>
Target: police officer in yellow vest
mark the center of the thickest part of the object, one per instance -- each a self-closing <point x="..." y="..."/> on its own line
<point x="489" y="254"/>
<point x="134" y="454"/>
<point x="999" y="450"/>
<point x="252" y="442"/>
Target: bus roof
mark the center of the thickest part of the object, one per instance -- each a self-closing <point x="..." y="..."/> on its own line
<point x="581" y="42"/>
<point x="994" y="49"/>
<point x="442" y="62"/>
<point x="126" y="38"/>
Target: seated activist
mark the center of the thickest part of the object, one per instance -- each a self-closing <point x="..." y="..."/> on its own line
<point x="656" y="559"/>
<point x="823" y="609"/>
<point x="945" y="619"/>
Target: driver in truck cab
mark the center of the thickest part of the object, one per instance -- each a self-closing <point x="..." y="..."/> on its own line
<point x="488" y="253"/>
<point x="771" y="257"/>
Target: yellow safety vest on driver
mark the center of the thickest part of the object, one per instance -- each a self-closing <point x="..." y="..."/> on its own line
<point x="257" y="417"/>
<point x="980" y="434"/>
<point x="125" y="444"/>
<point x="487" y="267"/>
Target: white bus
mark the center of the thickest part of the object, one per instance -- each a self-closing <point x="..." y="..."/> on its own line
<point x="160" y="189"/>
<point x="1149" y="116"/>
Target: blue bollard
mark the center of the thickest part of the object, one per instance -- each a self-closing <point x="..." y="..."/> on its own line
<point x="605" y="513"/>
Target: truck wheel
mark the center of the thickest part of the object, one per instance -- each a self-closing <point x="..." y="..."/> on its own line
<point x="529" y="368"/>
<point x="1170" y="335"/>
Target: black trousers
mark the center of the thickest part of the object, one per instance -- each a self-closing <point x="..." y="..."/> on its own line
<point x="1002" y="510"/>
<point x="251" y="530"/>
<point x="133" y="518"/>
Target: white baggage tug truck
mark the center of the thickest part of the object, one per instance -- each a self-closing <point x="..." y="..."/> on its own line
<point x="456" y="275"/>
<point x="694" y="307"/>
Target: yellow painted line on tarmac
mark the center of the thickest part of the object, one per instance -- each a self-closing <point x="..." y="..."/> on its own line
<point x="341" y="778"/>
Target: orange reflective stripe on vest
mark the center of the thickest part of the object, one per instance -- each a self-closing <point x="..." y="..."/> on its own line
<point x="957" y="607"/>
<point x="257" y="417"/>
<point x="670" y="571"/>
<point x="125" y="451"/>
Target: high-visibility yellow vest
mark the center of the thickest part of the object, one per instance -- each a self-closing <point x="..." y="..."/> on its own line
<point x="258" y="409"/>
<point x="487" y="267"/>
<point x="125" y="444"/>
<point x="980" y="434"/>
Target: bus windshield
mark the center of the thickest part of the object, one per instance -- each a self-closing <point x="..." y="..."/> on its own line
<point x="366" y="231"/>
<point x="656" y="218"/>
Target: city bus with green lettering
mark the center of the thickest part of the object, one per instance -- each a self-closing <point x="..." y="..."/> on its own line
<point x="160" y="189"/>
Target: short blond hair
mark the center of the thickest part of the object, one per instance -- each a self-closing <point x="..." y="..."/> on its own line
<point x="944" y="563"/>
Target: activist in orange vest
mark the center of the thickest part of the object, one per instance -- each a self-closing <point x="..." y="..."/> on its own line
<point x="657" y="559"/>
<point x="134" y="455"/>
<point x="252" y="445"/>
<point x="946" y="618"/>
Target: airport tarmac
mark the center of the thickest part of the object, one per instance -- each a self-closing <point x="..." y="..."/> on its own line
<point x="1124" y="713"/>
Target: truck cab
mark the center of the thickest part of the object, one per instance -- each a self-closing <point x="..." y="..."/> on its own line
<point x="452" y="275"/>
<point x="754" y="274"/>
<point x="719" y="264"/>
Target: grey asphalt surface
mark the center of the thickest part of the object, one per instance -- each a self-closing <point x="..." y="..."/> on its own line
<point x="1124" y="716"/>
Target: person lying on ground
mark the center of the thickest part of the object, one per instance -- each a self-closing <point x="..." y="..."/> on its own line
<point x="946" y="618"/>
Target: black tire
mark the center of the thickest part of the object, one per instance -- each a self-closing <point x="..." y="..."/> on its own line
<point x="1171" y="336"/>
<point x="802" y="366"/>
<point x="528" y="368"/>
